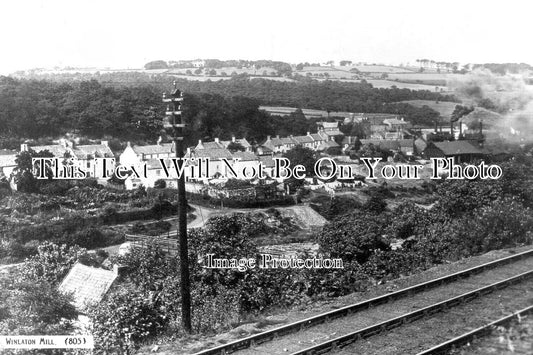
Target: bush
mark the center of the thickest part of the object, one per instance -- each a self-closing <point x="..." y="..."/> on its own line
<point x="353" y="237"/>
<point x="125" y="318"/>
<point x="89" y="238"/>
<point x="160" y="184"/>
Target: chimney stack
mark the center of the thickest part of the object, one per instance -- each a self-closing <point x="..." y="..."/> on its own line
<point x="104" y="143"/>
<point x="217" y="140"/>
<point x="24" y="147"/>
<point x="268" y="138"/>
<point x="233" y="139"/>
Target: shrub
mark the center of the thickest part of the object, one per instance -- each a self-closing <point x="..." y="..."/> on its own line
<point x="125" y="318"/>
<point x="353" y="237"/>
<point x="160" y="184"/>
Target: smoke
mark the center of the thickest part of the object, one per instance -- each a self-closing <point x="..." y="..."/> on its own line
<point x="506" y="94"/>
<point x="500" y="93"/>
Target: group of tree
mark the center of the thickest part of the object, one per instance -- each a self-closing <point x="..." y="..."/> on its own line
<point x="33" y="109"/>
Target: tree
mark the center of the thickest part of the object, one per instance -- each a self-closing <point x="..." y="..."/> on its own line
<point x="30" y="308"/>
<point x="353" y="237"/>
<point x="160" y="184"/>
<point x="235" y="147"/>
<point x="156" y="64"/>
<point x="302" y="156"/>
<point x="24" y="172"/>
<point x="52" y="262"/>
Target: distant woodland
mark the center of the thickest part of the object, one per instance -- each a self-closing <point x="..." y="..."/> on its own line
<point x="126" y="107"/>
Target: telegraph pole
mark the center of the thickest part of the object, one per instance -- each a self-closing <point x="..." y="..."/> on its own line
<point x="173" y="123"/>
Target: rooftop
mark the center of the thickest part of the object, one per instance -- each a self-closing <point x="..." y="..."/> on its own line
<point x="87" y="284"/>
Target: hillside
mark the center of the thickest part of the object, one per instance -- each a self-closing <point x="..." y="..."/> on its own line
<point x="444" y="108"/>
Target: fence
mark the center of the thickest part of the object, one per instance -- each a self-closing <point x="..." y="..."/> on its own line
<point x="168" y="245"/>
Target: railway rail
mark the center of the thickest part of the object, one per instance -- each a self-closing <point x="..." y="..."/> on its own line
<point x="410" y="317"/>
<point x="277" y="333"/>
<point x="445" y="347"/>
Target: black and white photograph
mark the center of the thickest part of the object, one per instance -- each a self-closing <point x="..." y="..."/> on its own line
<point x="266" y="177"/>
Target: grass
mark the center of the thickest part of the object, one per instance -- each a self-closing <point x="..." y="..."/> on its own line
<point x="444" y="108"/>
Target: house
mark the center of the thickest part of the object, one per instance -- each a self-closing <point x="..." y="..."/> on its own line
<point x="210" y="145"/>
<point x="263" y="151"/>
<point x="136" y="154"/>
<point x="318" y="138"/>
<point x="215" y="155"/>
<point x="405" y="146"/>
<point x="324" y="146"/>
<point x="462" y="151"/>
<point x="198" y="63"/>
<point x="85" y="154"/>
<point x="7" y="163"/>
<point x="88" y="285"/>
<point x="305" y="141"/>
<point x="330" y="129"/>
<point x="279" y="145"/>
<point x="245" y="160"/>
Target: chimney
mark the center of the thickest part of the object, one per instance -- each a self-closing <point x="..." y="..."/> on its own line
<point x="63" y="142"/>
<point x="118" y="269"/>
<point x="159" y="140"/>
<point x="233" y="139"/>
<point x="277" y="136"/>
<point x="104" y="143"/>
<point x="199" y="142"/>
<point x="268" y="138"/>
<point x="128" y="144"/>
<point x="24" y="147"/>
<point x="217" y="140"/>
<point x="309" y="133"/>
<point x="189" y="151"/>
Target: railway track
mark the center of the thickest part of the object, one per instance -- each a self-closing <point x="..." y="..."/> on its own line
<point x="378" y="315"/>
<point x="463" y="339"/>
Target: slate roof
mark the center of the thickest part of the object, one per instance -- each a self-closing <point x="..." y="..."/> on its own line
<point x="327" y="144"/>
<point x="87" y="284"/>
<point x="457" y="148"/>
<point x="210" y="145"/>
<point x="273" y="142"/>
<point x="245" y="156"/>
<point x="7" y="158"/>
<point x="92" y="151"/>
<point x="329" y="125"/>
<point x="153" y="149"/>
<point x="333" y="132"/>
<point x="288" y="140"/>
<point x="394" y="121"/>
<point x="241" y="141"/>
<point x="57" y="150"/>
<point x="303" y="139"/>
<point x="212" y="154"/>
<point x="267" y="160"/>
<point x="318" y="137"/>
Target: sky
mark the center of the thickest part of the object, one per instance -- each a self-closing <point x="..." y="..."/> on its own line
<point x="127" y="34"/>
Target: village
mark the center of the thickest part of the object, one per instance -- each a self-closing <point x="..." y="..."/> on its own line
<point x="390" y="138"/>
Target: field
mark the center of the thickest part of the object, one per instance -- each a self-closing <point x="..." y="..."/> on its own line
<point x="444" y="108"/>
